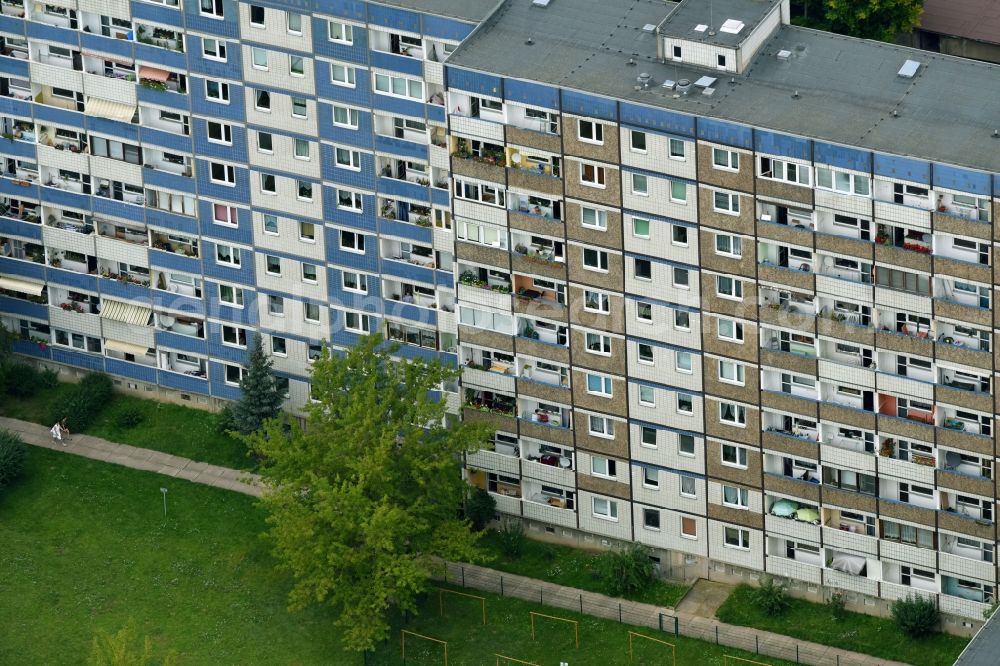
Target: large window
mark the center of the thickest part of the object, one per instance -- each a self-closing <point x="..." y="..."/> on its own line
<point x="843" y="182"/>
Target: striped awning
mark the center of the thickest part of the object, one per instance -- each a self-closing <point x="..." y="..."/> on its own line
<point x="153" y="73"/>
<point x="125" y="347"/>
<point x="105" y="108"/>
<point x="21" y="286"/>
<point x="127" y="313"/>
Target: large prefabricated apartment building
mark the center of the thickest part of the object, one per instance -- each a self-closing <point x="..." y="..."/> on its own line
<point x="719" y="284"/>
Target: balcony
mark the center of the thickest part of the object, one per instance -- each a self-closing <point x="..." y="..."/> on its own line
<point x="125" y="233"/>
<point x="176" y="244"/>
<point x="160" y="37"/>
<point x="184" y="364"/>
<point x="194" y="328"/>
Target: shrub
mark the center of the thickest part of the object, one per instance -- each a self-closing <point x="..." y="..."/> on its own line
<point x="628" y="570"/>
<point x="13" y="452"/>
<point x="770" y="597"/>
<point x="837" y="605"/>
<point x="83" y="402"/>
<point x="48" y="378"/>
<point x="224" y="420"/>
<point x="21" y="380"/>
<point x="480" y="507"/>
<point x="129" y="417"/>
<point x="915" y="615"/>
<point x="98" y="386"/>
<point x="511" y="535"/>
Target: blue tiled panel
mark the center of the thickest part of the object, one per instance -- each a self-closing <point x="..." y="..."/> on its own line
<point x="403" y="188"/>
<point x="363" y="179"/>
<point x="195" y="22"/>
<point x="156" y="13"/>
<point x="11" y="227"/>
<point x="25" y="269"/>
<point x="397" y="63"/>
<point x="445" y="279"/>
<point x="14" y="67"/>
<point x="842" y="156"/>
<point x="103" y="205"/>
<point x="209" y="107"/>
<point x="142" y="373"/>
<point x="219" y="388"/>
<point x="440" y="197"/>
<point x="124" y="290"/>
<point x="225" y="352"/>
<point x="15" y="107"/>
<point x="367" y="262"/>
<point x="187" y="383"/>
<point x="445" y="28"/>
<point x="167" y="220"/>
<point x="783" y="144"/>
<point x="240" y="234"/>
<point x="582" y="104"/>
<point x="398" y="106"/>
<point x="161" y="57"/>
<point x="9" y="188"/>
<point x="51" y="33"/>
<point x="168" y="181"/>
<point x="435" y="112"/>
<point x="364" y="221"/>
<point x="176" y="302"/>
<point x="244" y="274"/>
<point x="29" y="348"/>
<point x="90" y="362"/>
<point x="214" y="308"/>
<point x="408" y="272"/>
<point x="400" y="147"/>
<point x="118" y="47"/>
<point x="56" y="116"/>
<point x="65" y="198"/>
<point x="124" y="131"/>
<point x="76" y="281"/>
<point x="231" y="68"/>
<point x="962" y="180"/>
<point x="474" y="82"/>
<point x="357" y="52"/>
<point x="238" y="192"/>
<point x="184" y="343"/>
<point x="360" y="137"/>
<point x="903" y="168"/>
<point x="177" y="143"/>
<point x="731" y="134"/>
<point x="359" y="94"/>
<point x="411" y="352"/>
<point x="410" y="312"/>
<point x="657" y="119"/>
<point x="16" y="306"/>
<point x="391" y="17"/>
<point x="406" y="230"/>
<point x="205" y="148"/>
<point x="166" y="98"/>
<point x="174" y="262"/>
<point x="353" y="9"/>
<point x="11" y="25"/>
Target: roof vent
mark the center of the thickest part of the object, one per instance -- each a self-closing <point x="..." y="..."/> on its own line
<point x="649" y="27"/>
<point x="708" y="92"/>
<point x="705" y="81"/>
<point x="683" y="85"/>
<point x="784" y="54"/>
<point x="909" y="69"/>
<point x="669" y="84"/>
<point x="541" y="3"/>
<point x="701" y="27"/>
<point x="644" y="79"/>
<point x="732" y="26"/>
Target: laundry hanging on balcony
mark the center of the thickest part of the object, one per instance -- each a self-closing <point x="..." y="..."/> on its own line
<point x="127" y="313"/>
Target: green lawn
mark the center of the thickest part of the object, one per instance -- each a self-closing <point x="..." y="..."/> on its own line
<point x="876" y="636"/>
<point x="175" y="429"/>
<point x="86" y="547"/>
<point x="572" y="567"/>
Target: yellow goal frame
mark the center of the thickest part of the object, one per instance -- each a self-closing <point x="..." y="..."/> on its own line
<point x="404" y="632"/>
<point x="575" y="623"/>
<point x="633" y="634"/>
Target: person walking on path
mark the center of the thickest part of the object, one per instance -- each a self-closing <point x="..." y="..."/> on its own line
<point x="56" y="431"/>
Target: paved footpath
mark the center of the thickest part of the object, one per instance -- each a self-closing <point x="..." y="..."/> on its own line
<point x="250" y="484"/>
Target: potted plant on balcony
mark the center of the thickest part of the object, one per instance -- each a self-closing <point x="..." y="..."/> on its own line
<point x="887" y="449"/>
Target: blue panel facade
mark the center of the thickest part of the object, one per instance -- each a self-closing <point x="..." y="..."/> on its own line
<point x="142" y="373"/>
<point x="660" y="120"/>
<point x="783" y="145"/>
<point x="532" y="94"/>
<point x="582" y="104"/>
<point x="474" y="82"/>
<point x="902" y="168"/>
<point x="963" y="180"/>
<point x="731" y="134"/>
<point x="842" y="156"/>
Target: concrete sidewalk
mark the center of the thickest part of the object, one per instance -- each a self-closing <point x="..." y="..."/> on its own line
<point x="144" y="459"/>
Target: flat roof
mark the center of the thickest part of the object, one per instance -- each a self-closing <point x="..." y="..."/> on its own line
<point x="475" y="11"/>
<point x="847" y="88"/>
<point x="972" y="19"/>
<point x="982" y="650"/>
<point x="708" y="22"/>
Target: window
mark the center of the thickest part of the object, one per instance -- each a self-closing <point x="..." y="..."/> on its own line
<point x="310" y="312"/>
<point x="685" y="404"/>
<point x="682" y="320"/>
<point x="268" y="183"/>
<point x="640" y="185"/>
<point x="732" y="414"/>
<point x="720" y="61"/>
<point x="222" y="173"/>
<point x="301" y="150"/>
<point x="275" y="305"/>
<point x="640" y="227"/>
<point x="728" y="245"/>
<point x="643" y="269"/>
<point x="219" y="132"/>
<point x="689" y="528"/>
<point x="738" y="498"/>
<point x="842" y="182"/>
<point x="678" y="191"/>
<point x="296" y="65"/>
<point x="217" y="90"/>
<point x="790" y="172"/>
<point x="265" y="142"/>
<point x="645" y="353"/>
<point x="341" y="32"/>
<point x="726" y="202"/>
<point x="300" y="108"/>
<point x="352" y="242"/>
<point x="304" y="190"/>
<point x="270" y="224"/>
<point x="685" y="445"/>
<point x="602" y="467"/>
<point x="593" y="218"/>
<point x="599" y="385"/>
<point x="309" y="273"/>
<point x="730" y="330"/>
<point x="650" y="477"/>
<point x="589" y="131"/>
<point x="734" y="456"/>
<point x="345" y="117"/>
<point x="356" y="282"/>
<point x="737" y="538"/>
<point x="644" y="312"/>
<point x="257" y="16"/>
<point x="347" y="158"/>
<point x="601" y="426"/>
<point x="682" y="360"/>
<point x="725" y="159"/>
<point x="676" y="149"/>
<point x="350" y="200"/>
<point x="231" y="295"/>
<point x="273" y="265"/>
<point x="213" y="49"/>
<point x="259" y="57"/>
<point x="234" y="374"/>
<point x="342" y="75"/>
<point x="731" y="372"/>
<point x="647" y="396"/>
<point x="682" y="277"/>
<point x="357" y="322"/>
<point x="595" y="260"/>
<point x="234" y="336"/>
<point x="689" y="486"/>
<point x="647" y="437"/>
<point x="729" y="287"/>
<point x="651" y="519"/>
<point x="399" y="86"/>
<point x="313" y="352"/>
<point x="262" y="100"/>
<point x="307" y="232"/>
<point x="279" y="346"/>
<point x="227" y="254"/>
<point x="596" y="301"/>
<point x="637" y="141"/>
<point x="592" y="174"/>
<point x="916" y="283"/>
<point x="679" y="235"/>
<point x="605" y="508"/>
<point x="293" y="21"/>
<point x="598" y="344"/>
<point x="677" y="52"/>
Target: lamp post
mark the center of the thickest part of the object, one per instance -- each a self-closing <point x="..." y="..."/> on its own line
<point x="163" y="491"/>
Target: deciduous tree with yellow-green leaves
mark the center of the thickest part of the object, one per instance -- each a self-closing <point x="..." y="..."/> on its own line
<point x="368" y="495"/>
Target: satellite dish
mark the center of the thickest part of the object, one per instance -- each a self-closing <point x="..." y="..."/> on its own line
<point x="516" y="158"/>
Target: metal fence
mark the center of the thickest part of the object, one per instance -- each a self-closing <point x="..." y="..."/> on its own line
<point x="654" y="617"/>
